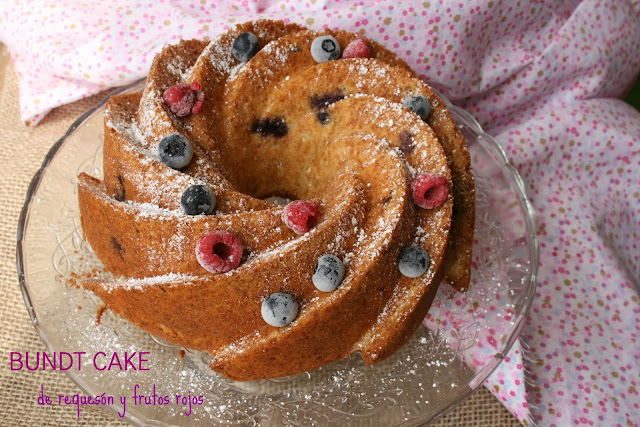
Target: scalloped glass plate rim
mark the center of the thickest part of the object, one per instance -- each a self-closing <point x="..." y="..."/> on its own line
<point x="480" y="375"/>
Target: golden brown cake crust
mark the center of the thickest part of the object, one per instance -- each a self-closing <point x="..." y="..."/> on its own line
<point x="355" y="153"/>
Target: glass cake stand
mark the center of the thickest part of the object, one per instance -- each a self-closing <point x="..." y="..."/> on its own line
<point x="437" y="369"/>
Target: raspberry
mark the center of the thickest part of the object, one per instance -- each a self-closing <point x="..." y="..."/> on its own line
<point x="429" y="190"/>
<point x="197" y="107"/>
<point x="184" y="99"/>
<point x="301" y="215"/>
<point x="357" y="49"/>
<point x="219" y="251"/>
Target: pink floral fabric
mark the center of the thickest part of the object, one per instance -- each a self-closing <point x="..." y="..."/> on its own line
<point x="541" y="76"/>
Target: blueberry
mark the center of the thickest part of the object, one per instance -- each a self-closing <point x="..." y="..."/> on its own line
<point x="328" y="273"/>
<point x="413" y="261"/>
<point x="198" y="200"/>
<point x="323" y="117"/>
<point x="419" y="104"/>
<point x="279" y="309"/>
<point x="275" y="126"/>
<point x="325" y="48"/>
<point x="175" y="151"/>
<point x="245" y="46"/>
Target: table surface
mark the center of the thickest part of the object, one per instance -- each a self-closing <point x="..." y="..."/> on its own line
<point x="22" y="152"/>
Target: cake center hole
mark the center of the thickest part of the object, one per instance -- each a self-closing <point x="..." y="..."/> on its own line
<point x="279" y="198"/>
<point x="222" y="250"/>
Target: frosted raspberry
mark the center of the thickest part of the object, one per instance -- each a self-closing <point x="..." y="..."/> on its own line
<point x="301" y="215"/>
<point x="197" y="107"/>
<point x="357" y="49"/>
<point x="219" y="251"/>
<point x="429" y="190"/>
<point x="184" y="99"/>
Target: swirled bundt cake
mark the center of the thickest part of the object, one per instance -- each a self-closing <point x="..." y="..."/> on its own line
<point x="279" y="198"/>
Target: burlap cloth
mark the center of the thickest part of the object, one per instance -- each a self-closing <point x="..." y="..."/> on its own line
<point x="21" y="153"/>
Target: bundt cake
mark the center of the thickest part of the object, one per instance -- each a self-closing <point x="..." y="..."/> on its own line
<point x="279" y="198"/>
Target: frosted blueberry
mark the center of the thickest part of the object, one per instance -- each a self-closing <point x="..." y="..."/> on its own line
<point x="279" y="309"/>
<point x="245" y="46"/>
<point x="175" y="151"/>
<point x="413" y="261"/>
<point x="325" y="48"/>
<point x="419" y="104"/>
<point x="198" y="200"/>
<point x="328" y="273"/>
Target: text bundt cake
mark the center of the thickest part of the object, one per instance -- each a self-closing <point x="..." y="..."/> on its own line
<point x="375" y="200"/>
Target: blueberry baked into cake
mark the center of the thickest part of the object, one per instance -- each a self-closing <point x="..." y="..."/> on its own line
<point x="279" y="198"/>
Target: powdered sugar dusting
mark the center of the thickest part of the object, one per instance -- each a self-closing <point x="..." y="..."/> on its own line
<point x="140" y="284"/>
<point x="218" y="54"/>
<point x="179" y="69"/>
